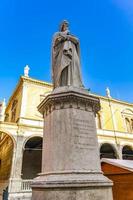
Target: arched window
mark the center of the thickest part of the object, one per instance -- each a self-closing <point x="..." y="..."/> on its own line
<point x="13" y="109"/>
<point x="132" y="125"/>
<point x="32" y="158"/>
<point x="6" y="154"/>
<point x="98" y="120"/>
<point x="107" y="151"/>
<point x="127" y="153"/>
<point x="6" y="117"/>
<point x="127" y="115"/>
<point x="128" y="125"/>
<point x="0" y="108"/>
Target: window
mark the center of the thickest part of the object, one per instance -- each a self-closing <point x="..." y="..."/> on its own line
<point x="13" y="115"/>
<point x="127" y="115"/>
<point x="98" y="119"/>
<point x="0" y="108"/>
<point x="6" y="117"/>
<point x="14" y="106"/>
<point x="132" y="125"/>
<point x="128" y="125"/>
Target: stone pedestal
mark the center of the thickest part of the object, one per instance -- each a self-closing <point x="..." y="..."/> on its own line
<point x="71" y="164"/>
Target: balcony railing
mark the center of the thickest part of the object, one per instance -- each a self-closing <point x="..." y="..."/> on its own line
<point x="26" y="185"/>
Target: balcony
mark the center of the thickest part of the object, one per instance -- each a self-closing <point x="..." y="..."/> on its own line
<point x="26" y="185"/>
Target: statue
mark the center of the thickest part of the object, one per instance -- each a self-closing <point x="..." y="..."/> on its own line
<point x="71" y="168"/>
<point x="26" y="71"/>
<point x="108" y="92"/>
<point x="66" y="58"/>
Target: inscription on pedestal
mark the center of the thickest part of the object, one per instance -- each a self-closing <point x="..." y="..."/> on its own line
<point x="94" y="197"/>
<point x="83" y="138"/>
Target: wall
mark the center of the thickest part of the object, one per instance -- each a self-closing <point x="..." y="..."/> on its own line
<point x="111" y="112"/>
<point x="34" y="94"/>
<point x="17" y="96"/>
<point x="6" y="152"/>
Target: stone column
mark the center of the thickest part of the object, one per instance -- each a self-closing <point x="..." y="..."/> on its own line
<point x="71" y="163"/>
<point x="120" y="147"/>
<point x="15" y="178"/>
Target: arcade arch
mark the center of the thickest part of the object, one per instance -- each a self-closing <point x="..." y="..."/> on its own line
<point x="32" y="157"/>
<point x="108" y="151"/>
<point x="7" y="145"/>
<point x="127" y="152"/>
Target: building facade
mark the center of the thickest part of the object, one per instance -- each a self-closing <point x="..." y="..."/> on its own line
<point x="21" y="133"/>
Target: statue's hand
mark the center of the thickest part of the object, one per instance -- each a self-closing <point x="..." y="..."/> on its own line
<point x="72" y="39"/>
<point x="68" y="37"/>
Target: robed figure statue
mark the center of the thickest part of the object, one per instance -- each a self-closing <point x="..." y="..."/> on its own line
<point x="66" y="58"/>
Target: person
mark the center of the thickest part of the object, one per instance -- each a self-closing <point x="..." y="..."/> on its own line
<point x="66" y="58"/>
<point x="5" y="194"/>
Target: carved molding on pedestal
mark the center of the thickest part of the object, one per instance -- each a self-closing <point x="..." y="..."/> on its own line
<point x="69" y="99"/>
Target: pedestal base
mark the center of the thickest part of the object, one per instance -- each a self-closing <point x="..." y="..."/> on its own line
<point x="74" y="194"/>
<point x="71" y="163"/>
<point x="89" y="191"/>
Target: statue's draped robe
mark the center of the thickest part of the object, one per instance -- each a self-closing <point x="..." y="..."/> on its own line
<point x="65" y="62"/>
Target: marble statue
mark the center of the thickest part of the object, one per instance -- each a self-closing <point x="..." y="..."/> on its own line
<point x="71" y="168"/>
<point x="108" y="92"/>
<point x="65" y="58"/>
<point x="26" y="71"/>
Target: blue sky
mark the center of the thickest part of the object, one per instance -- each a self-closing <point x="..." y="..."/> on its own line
<point x="105" y="30"/>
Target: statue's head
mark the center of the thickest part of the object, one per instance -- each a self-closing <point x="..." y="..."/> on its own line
<point x="64" y="25"/>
